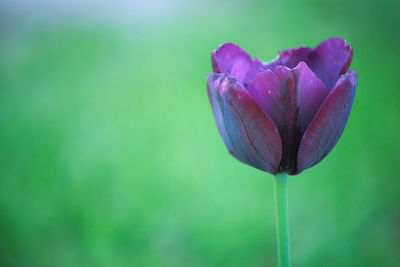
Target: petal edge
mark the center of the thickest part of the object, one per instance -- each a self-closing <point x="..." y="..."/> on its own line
<point x="249" y="134"/>
<point x="328" y="124"/>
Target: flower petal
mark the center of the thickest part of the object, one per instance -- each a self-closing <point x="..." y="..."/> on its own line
<point x="272" y="92"/>
<point x="330" y="59"/>
<point x="256" y="67"/>
<point x="310" y="93"/>
<point x="275" y="93"/>
<point x="328" y="124"/>
<point x="266" y="91"/>
<point x="230" y="58"/>
<point x="292" y="57"/>
<point x="249" y="134"/>
<point x="290" y="98"/>
<point x="289" y="58"/>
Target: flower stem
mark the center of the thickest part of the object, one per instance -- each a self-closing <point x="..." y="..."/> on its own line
<point x="281" y="198"/>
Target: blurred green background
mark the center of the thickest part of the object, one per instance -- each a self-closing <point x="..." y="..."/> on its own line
<point x="110" y="156"/>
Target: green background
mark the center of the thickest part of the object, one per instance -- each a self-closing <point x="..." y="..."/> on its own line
<point x="110" y="156"/>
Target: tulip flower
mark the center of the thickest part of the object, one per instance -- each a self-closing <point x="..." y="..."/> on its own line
<point x="286" y="115"/>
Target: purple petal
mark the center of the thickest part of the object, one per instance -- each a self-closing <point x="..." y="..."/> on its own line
<point x="266" y="91"/>
<point x="230" y="58"/>
<point x="256" y="67"/>
<point x="283" y="102"/>
<point x="310" y="93"/>
<point x="330" y="59"/>
<point x="272" y="64"/>
<point x="275" y="93"/>
<point x="249" y="134"/>
<point x="328" y="124"/>
<point x="292" y="57"/>
<point x="289" y="58"/>
<point x="290" y="98"/>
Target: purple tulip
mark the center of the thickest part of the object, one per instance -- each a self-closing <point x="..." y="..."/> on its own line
<point x="286" y="115"/>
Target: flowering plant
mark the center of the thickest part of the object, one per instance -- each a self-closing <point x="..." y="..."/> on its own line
<point x="283" y="116"/>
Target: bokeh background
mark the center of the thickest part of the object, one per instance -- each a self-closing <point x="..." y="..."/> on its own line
<point x="109" y="153"/>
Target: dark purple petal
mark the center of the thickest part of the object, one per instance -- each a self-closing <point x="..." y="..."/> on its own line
<point x="249" y="134"/>
<point x="230" y="58"/>
<point x="275" y="93"/>
<point x="310" y="93"/>
<point x="272" y="93"/>
<point x="266" y="91"/>
<point x="256" y="67"/>
<point x="290" y="98"/>
<point x="292" y="57"/>
<point x="289" y="58"/>
<point x="272" y="64"/>
<point x="285" y="112"/>
<point x="330" y="59"/>
<point x="328" y="124"/>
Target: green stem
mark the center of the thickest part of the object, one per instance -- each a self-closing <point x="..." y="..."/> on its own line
<point x="281" y="196"/>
